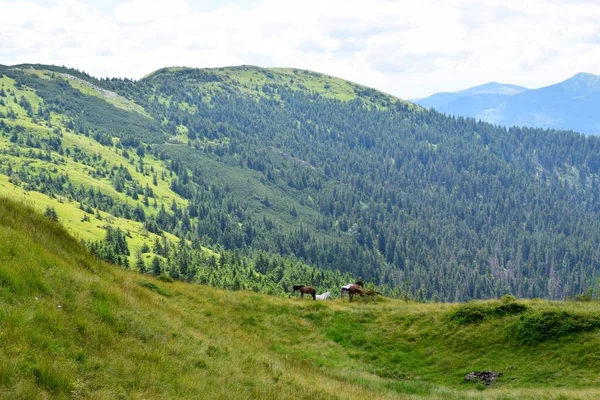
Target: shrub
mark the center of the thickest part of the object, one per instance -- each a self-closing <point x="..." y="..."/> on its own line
<point x="151" y="286"/>
<point x="165" y="278"/>
<point x="475" y="313"/>
<point x="509" y="309"/>
<point x="587" y="296"/>
<point x="51" y="213"/>
<point x="539" y="327"/>
<point x="468" y="314"/>
<point x="508" y="298"/>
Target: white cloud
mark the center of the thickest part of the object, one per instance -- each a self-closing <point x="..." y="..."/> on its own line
<point x="410" y="48"/>
<point x="137" y="12"/>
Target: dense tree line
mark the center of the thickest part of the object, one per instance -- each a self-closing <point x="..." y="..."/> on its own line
<point x="228" y="269"/>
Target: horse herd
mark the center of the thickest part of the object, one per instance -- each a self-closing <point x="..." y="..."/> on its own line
<point x="352" y="289"/>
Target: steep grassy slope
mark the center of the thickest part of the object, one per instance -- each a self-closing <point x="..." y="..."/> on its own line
<point x="60" y="135"/>
<point x="27" y="152"/>
<point x="73" y="327"/>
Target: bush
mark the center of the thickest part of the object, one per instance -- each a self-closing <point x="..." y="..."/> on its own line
<point x="539" y="327"/>
<point x="151" y="286"/>
<point x="509" y="309"/>
<point x="165" y="278"/>
<point x="508" y="298"/>
<point x="475" y="313"/>
<point x="468" y="314"/>
<point x="51" y="213"/>
<point x="585" y="297"/>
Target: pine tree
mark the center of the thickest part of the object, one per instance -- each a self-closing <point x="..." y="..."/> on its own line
<point x="51" y="213"/>
<point x="139" y="262"/>
<point x="145" y="248"/>
<point x="156" y="266"/>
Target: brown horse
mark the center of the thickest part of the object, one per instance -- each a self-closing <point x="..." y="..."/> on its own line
<point x="306" y="290"/>
<point x="355" y="290"/>
<point x="346" y="288"/>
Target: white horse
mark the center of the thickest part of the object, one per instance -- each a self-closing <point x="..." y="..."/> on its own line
<point x="345" y="288"/>
<point x="324" y="296"/>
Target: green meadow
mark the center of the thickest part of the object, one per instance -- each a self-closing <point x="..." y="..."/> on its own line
<point x="74" y="327"/>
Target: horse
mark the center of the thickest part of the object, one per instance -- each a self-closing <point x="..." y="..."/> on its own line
<point x="346" y="288"/>
<point x="355" y="290"/>
<point x="324" y="296"/>
<point x="306" y="290"/>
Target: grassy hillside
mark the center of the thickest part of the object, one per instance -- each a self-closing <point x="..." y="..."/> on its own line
<point x="25" y="149"/>
<point x="257" y="81"/>
<point x="73" y="327"/>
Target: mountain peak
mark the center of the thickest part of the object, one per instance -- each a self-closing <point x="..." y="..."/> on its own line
<point x="494" y="88"/>
<point x="585" y="75"/>
<point x="585" y="78"/>
<point x="581" y="83"/>
<point x="568" y="105"/>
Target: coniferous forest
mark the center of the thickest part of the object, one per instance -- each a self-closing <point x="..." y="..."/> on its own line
<point x="290" y="175"/>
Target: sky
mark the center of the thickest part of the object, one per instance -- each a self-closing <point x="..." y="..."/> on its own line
<point x="409" y="48"/>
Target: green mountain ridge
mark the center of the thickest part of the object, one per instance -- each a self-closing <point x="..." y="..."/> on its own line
<point x="281" y="175"/>
<point x="72" y="326"/>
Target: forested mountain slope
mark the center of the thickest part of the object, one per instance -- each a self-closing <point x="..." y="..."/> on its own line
<point x="276" y="167"/>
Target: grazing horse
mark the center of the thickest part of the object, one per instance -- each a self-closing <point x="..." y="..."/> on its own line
<point x="355" y="290"/>
<point x="306" y="290"/>
<point x="324" y="296"/>
<point x="346" y="288"/>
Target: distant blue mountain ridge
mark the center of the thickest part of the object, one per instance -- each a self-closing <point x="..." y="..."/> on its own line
<point x="573" y="104"/>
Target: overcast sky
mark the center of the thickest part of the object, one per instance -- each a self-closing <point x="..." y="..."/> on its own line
<point x="410" y="48"/>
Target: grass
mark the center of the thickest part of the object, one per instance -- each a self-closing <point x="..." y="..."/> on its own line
<point x="71" y="326"/>
<point x="79" y="173"/>
<point x="110" y="97"/>
<point x="250" y="80"/>
<point x="248" y="185"/>
<point x="9" y="86"/>
<point x="71" y="217"/>
<point x="114" y="159"/>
